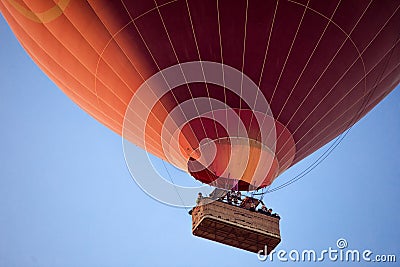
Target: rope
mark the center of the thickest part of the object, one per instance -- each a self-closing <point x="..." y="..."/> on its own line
<point x="340" y="138"/>
<point x="172" y="181"/>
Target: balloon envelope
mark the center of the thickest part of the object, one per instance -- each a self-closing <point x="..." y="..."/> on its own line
<point x="233" y="92"/>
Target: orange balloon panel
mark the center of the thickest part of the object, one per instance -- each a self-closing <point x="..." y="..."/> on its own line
<point x="317" y="66"/>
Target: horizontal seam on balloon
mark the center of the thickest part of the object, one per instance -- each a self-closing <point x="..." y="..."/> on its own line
<point x="264" y="61"/>
<point x="202" y="69"/>
<point x="309" y="59"/>
<point x="343" y="113"/>
<point x="290" y="50"/>
<point x="287" y="56"/>
<point x="333" y="58"/>
<point x="373" y="100"/>
<point x="133" y="22"/>
<point x="348" y="71"/>
<point x="176" y="56"/>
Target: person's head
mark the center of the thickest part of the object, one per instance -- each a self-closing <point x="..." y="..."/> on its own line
<point x="200" y="194"/>
<point x="270" y="210"/>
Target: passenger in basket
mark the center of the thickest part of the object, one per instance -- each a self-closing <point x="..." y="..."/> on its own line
<point x="199" y="198"/>
<point x="252" y="207"/>
<point x="276" y="215"/>
<point x="263" y="209"/>
<point x="269" y="212"/>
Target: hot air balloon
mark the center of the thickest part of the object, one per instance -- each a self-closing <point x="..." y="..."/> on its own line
<point x="232" y="92"/>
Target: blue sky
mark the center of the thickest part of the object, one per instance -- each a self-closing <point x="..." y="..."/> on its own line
<point x="67" y="198"/>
